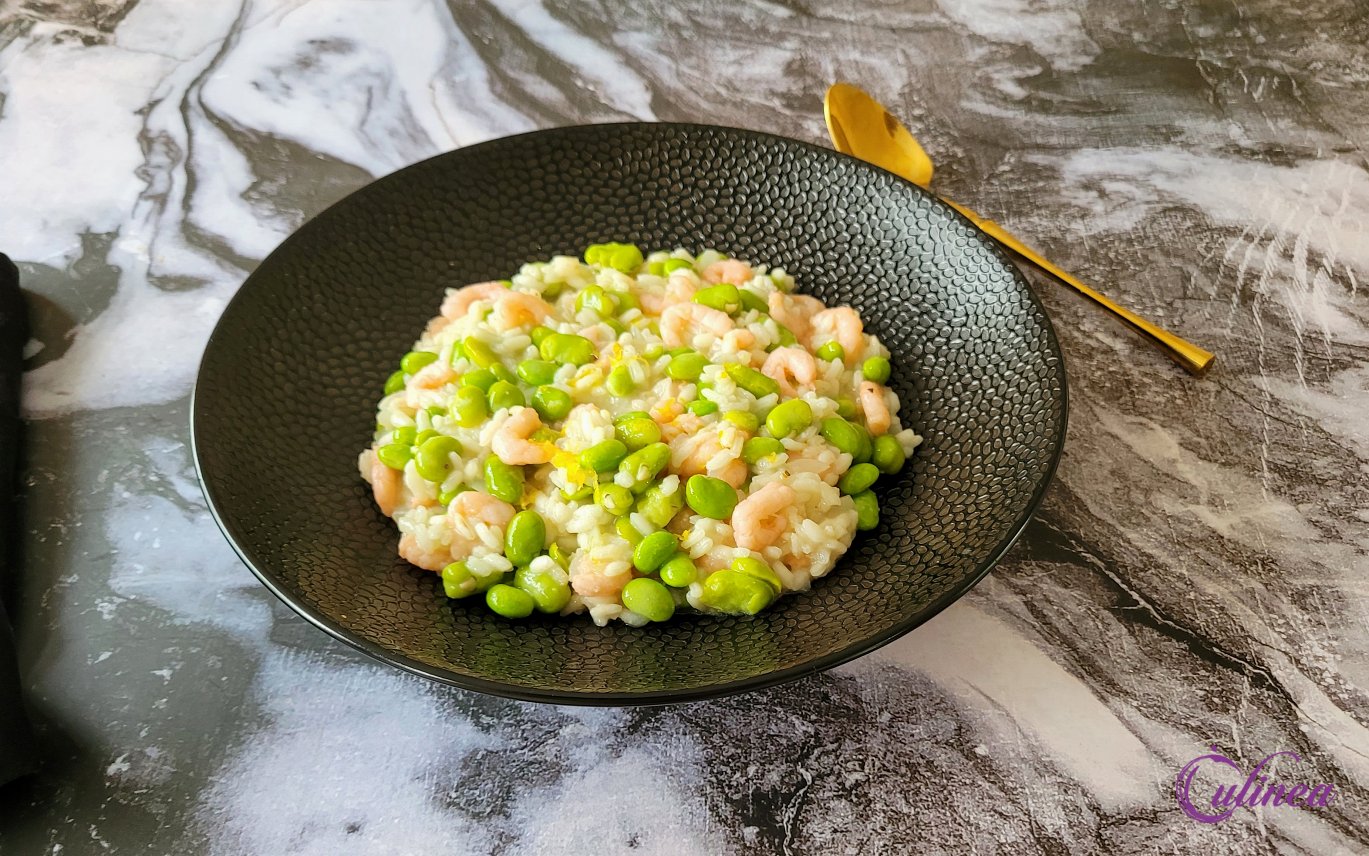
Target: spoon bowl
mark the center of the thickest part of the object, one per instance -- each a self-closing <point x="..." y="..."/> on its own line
<point x="861" y="127"/>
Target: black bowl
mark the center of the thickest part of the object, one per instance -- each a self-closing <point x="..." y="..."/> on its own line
<point x="287" y="390"/>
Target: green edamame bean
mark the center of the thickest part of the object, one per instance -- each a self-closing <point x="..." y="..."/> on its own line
<point x="504" y="373"/>
<point x="433" y="459"/>
<point x="702" y="407"/>
<point x="469" y="407"/>
<point x="581" y="493"/>
<point x="654" y="550"/>
<point x="624" y="258"/>
<point x="736" y="593"/>
<point x="789" y="417"/>
<point x="559" y="556"/>
<point x="548" y="593"/>
<point x="867" y="510"/>
<point x="394" y="383"/>
<point x="524" y="537"/>
<point x="656" y="268"/>
<point x="649" y="599"/>
<point x="504" y="481"/>
<point x="537" y="372"/>
<point x="713" y="498"/>
<point x="753" y="301"/>
<point x="395" y="455"/>
<point x="602" y="457"/>
<point x="637" y="432"/>
<point x="686" y="366"/>
<point x="404" y="435"/>
<point x="887" y="454"/>
<point x="539" y="333"/>
<point x="481" y="379"/>
<point x="658" y="507"/>
<point x="844" y="435"/>
<point x="457" y="580"/>
<point x="867" y="445"/>
<point x="725" y="297"/>
<point x="615" y="499"/>
<point x="846" y="408"/>
<point x="876" y="369"/>
<point x="858" y="479"/>
<point x="753" y="567"/>
<point x="595" y="299"/>
<point x="671" y="265"/>
<point x="509" y="602"/>
<point x="744" y="419"/>
<point x="626" y="300"/>
<point x="552" y="290"/>
<point x="446" y="496"/>
<point x="479" y="352"/>
<point x="411" y="362"/>
<point x="594" y="253"/>
<point x="504" y="395"/>
<point x="679" y="571"/>
<point x="627" y="531"/>
<point x="551" y="403"/>
<point x="485" y="583"/>
<point x="756" y="448"/>
<point x="620" y="382"/>
<point x="831" y="351"/>
<point x="751" y="380"/>
<point x="787" y="337"/>
<point x="423" y="436"/>
<point x="566" y="348"/>
<point x="646" y="463"/>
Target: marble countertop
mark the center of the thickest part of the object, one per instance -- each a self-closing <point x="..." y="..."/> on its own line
<point x="1196" y="576"/>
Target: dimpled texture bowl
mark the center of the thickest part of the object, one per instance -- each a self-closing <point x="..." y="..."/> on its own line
<point x="287" y="390"/>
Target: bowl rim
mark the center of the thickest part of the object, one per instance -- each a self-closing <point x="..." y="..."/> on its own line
<point x="231" y="531"/>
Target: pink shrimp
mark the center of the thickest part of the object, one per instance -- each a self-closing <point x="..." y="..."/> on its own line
<point x="518" y="309"/>
<point x="691" y="455"/>
<point x="759" y="520"/>
<point x="736" y="341"/>
<point x="510" y="442"/>
<point x="842" y="325"/>
<point x="786" y="363"/>
<point x="681" y="288"/>
<point x="677" y="321"/>
<point x="877" y="417"/>
<point x="678" y="425"/>
<point x="459" y="301"/>
<point x="432" y="376"/>
<point x="385" y="482"/>
<point x="411" y="551"/>
<point x="588" y="579"/>
<point x="476" y="506"/>
<point x="729" y="270"/>
<point x="794" y="311"/>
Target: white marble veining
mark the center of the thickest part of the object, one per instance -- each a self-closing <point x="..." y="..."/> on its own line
<point x="1196" y="575"/>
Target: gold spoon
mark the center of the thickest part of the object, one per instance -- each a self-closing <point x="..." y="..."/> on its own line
<point x="860" y="126"/>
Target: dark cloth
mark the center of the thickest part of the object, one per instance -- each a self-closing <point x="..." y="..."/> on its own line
<point x="16" y="737"/>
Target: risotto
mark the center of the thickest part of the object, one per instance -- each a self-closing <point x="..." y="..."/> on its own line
<point x="629" y="435"/>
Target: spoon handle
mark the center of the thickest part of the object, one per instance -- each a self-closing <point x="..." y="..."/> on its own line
<point x="1192" y="358"/>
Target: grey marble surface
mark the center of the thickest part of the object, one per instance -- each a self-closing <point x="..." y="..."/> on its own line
<point x="1196" y="576"/>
